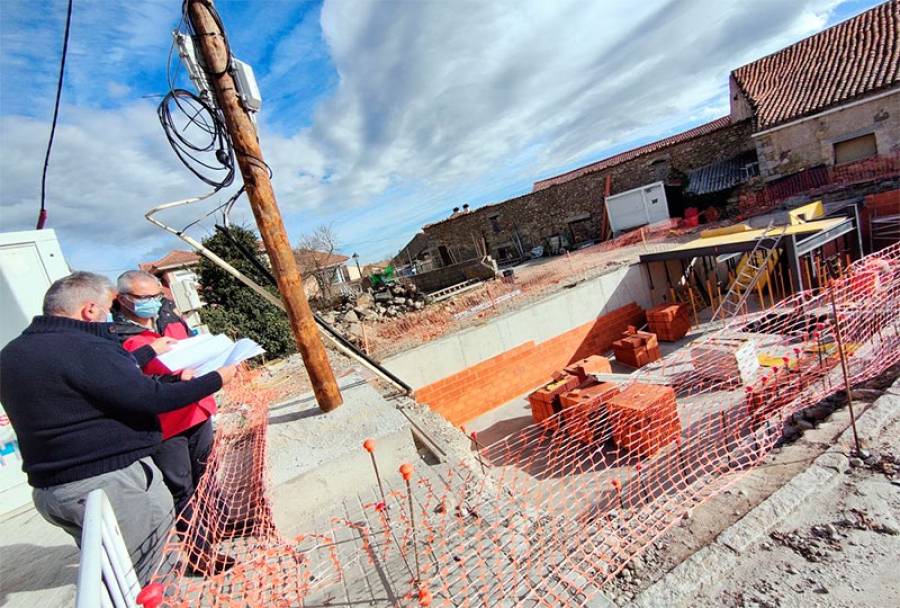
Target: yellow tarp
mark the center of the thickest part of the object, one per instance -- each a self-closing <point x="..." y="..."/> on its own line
<point x="752" y="235"/>
<point x="807" y="213"/>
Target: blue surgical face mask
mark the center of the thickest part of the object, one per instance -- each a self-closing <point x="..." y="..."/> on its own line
<point x="109" y="317"/>
<point x="147" y="310"/>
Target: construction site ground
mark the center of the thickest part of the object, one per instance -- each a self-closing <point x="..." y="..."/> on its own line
<point x="814" y="525"/>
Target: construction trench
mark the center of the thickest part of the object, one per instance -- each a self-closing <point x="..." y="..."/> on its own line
<point x="560" y="502"/>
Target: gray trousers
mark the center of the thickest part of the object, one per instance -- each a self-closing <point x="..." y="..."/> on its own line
<point x="141" y="502"/>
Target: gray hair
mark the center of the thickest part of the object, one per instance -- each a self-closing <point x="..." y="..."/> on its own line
<point x="68" y="294"/>
<point x="130" y="277"/>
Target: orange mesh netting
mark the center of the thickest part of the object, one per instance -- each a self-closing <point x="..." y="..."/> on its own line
<point x="549" y="515"/>
<point x="487" y="300"/>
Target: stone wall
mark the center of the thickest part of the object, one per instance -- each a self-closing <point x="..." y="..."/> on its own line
<point x="454" y="274"/>
<point x="810" y="143"/>
<point x="573" y="208"/>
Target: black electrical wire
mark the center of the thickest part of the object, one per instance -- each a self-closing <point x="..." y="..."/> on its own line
<point x="204" y="120"/>
<point x="225" y="208"/>
<point x="42" y="216"/>
<point x="209" y="155"/>
<point x="211" y="9"/>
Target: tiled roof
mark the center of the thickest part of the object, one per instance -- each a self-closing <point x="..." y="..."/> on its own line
<point x="612" y="161"/>
<point x="309" y="259"/>
<point x="853" y="59"/>
<point x="172" y="259"/>
<point x="721" y="175"/>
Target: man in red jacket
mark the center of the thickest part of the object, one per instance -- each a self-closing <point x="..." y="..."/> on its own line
<point x="87" y="418"/>
<point x="143" y="315"/>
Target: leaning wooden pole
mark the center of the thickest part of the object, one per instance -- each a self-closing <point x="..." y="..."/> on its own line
<point x="265" y="208"/>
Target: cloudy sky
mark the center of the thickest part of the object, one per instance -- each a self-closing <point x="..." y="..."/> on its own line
<point x="378" y="116"/>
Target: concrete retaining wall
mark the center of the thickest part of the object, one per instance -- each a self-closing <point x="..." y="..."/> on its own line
<point x="473" y="371"/>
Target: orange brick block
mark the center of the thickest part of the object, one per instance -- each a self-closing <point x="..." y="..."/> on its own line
<point x="545" y="401"/>
<point x="585" y="413"/>
<point x="667" y="313"/>
<point x="636" y="348"/>
<point x="671" y="332"/>
<point x="595" y="364"/>
<point x="670" y="322"/>
<point x="644" y="418"/>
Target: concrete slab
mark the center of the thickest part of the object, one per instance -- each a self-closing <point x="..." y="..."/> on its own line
<point x="38" y="561"/>
<point x="317" y="459"/>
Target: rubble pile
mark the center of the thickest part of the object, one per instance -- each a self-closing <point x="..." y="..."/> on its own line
<point x="377" y="304"/>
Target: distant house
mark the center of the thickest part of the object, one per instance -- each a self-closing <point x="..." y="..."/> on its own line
<point x="830" y="99"/>
<point x="416" y="254"/>
<point x="321" y="271"/>
<point x="176" y="272"/>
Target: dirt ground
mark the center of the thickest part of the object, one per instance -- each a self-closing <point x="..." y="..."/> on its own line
<point x="837" y="551"/>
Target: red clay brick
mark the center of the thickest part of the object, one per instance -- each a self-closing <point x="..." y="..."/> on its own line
<point x="588" y="365"/>
<point x="644" y="418"/>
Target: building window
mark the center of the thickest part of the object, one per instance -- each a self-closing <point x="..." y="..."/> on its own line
<point x="659" y="167"/>
<point x="857" y="148"/>
<point x="495" y="222"/>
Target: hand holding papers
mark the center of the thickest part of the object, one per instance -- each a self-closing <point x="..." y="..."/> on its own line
<point x="207" y="352"/>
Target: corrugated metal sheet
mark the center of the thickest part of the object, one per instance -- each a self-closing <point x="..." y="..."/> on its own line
<point x="719" y="176"/>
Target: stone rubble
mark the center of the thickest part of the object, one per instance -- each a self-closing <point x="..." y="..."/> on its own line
<point x="378" y="304"/>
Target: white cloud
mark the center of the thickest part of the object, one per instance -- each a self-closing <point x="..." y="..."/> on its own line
<point x="434" y="104"/>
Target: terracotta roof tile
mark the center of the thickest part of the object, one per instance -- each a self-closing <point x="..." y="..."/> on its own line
<point x="612" y="161"/>
<point x="855" y="58"/>
<point x="309" y="259"/>
<point x="172" y="259"/>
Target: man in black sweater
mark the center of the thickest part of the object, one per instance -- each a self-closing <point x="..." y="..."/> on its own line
<point x="86" y="416"/>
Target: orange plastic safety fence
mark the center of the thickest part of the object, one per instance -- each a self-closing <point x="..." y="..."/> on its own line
<point x="230" y="551"/>
<point x="550" y="514"/>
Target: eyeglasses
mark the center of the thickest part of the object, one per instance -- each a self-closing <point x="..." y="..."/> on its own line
<point x="154" y="298"/>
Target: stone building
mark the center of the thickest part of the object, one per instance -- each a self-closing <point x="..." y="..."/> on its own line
<point x="827" y="101"/>
<point x="830" y="99"/>
<point x="570" y="206"/>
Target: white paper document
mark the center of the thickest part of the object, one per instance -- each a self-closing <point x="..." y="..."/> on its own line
<point x="207" y="352"/>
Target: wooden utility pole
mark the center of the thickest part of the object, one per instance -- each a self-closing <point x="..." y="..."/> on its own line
<point x="262" y="200"/>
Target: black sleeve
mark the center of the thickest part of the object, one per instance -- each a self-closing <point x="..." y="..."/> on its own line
<point x="143" y="355"/>
<point x="109" y="377"/>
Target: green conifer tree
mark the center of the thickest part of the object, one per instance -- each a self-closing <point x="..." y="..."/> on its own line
<point x="234" y="309"/>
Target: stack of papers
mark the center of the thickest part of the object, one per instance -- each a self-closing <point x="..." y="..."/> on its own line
<point x="208" y="352"/>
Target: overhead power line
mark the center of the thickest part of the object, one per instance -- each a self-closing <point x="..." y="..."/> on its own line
<point x="42" y="216"/>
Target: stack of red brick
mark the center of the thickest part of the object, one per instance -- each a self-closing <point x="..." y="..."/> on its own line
<point x="644" y="418"/>
<point x="545" y="401"/>
<point x="595" y="364"/>
<point x="670" y="322"/>
<point x="571" y="387"/>
<point x="585" y="412"/>
<point x="636" y="348"/>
